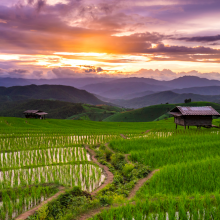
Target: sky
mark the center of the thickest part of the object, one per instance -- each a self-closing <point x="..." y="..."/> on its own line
<point x="161" y="39"/>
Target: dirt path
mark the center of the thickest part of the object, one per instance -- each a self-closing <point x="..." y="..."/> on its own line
<point x="32" y="211"/>
<point x="126" y="158"/>
<point x="126" y="155"/>
<point x="108" y="179"/>
<point x="140" y="183"/>
<point x="109" y="148"/>
<point x="123" y="136"/>
<point x="108" y="174"/>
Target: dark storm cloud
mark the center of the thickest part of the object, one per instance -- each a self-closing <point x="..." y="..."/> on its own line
<point x="40" y="4"/>
<point x="40" y="27"/>
<point x="182" y="53"/>
<point x="161" y="48"/>
<point x="30" y="2"/>
<point x="200" y="39"/>
<point x="19" y="71"/>
<point x="27" y="31"/>
<point x="14" y="72"/>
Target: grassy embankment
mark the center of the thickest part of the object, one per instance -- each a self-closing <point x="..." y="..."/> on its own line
<point x="154" y="112"/>
<point x="22" y="126"/>
<point x="187" y="185"/>
<point x="39" y="155"/>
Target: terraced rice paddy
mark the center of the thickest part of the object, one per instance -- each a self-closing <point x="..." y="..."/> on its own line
<point x="43" y="156"/>
<point x="20" y="200"/>
<point x="14" y="143"/>
<point x="87" y="176"/>
<point x="34" y="165"/>
<point x="187" y="185"/>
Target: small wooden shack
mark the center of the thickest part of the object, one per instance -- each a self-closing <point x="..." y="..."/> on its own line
<point x="194" y="116"/>
<point x="35" y="114"/>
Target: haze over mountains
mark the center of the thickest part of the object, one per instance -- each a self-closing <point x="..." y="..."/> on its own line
<point x="164" y="97"/>
<point x="137" y="87"/>
<point x="75" y="82"/>
<point x="45" y="92"/>
<point x="126" y="92"/>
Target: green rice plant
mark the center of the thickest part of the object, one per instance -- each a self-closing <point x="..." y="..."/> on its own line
<point x="180" y="147"/>
<point x="190" y="178"/>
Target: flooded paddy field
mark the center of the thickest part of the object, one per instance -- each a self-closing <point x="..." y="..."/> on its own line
<point x="43" y="156"/>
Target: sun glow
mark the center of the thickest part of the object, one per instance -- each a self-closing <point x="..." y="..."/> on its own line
<point x="81" y="54"/>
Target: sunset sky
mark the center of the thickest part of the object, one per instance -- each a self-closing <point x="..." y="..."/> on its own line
<point x="161" y="39"/>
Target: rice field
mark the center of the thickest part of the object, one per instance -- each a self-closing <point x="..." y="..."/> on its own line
<point x="35" y="162"/>
<point x="15" y="201"/>
<point x="205" y="208"/>
<point x="197" y="177"/>
<point x="44" y="156"/>
<point x="180" y="147"/>
<point x="187" y="185"/>
<point x="14" y="143"/>
<point x="87" y="176"/>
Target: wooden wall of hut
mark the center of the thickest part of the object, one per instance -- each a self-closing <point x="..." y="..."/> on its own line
<point x="194" y="120"/>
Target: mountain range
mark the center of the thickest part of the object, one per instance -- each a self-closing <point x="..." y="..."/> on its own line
<point x="127" y="88"/>
<point x="75" y="82"/>
<point x="131" y="92"/>
<point x="163" y="98"/>
<point x="51" y="92"/>
<point x="154" y="112"/>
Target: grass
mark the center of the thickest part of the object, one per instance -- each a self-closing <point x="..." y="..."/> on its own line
<point x="9" y="125"/>
<point x="190" y="178"/>
<point x="96" y="113"/>
<point x="154" y="112"/>
<point x="187" y="184"/>
<point x="186" y="159"/>
<point x="179" y="147"/>
<point x="35" y="153"/>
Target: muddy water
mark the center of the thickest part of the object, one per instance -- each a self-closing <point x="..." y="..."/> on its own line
<point x="55" y="141"/>
<point x="88" y="177"/>
<point x="28" y="203"/>
<point x="44" y="156"/>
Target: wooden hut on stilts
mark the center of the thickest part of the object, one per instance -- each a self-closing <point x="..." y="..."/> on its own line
<point x="194" y="116"/>
<point x="35" y="114"/>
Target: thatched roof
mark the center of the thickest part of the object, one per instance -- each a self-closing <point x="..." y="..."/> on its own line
<point x="188" y="110"/>
<point x="37" y="112"/>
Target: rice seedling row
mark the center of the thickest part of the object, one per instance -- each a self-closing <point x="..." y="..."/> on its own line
<point x="87" y="176"/>
<point x="39" y="142"/>
<point x="42" y="157"/>
<point x="198" y="208"/>
<point x="178" y="148"/>
<point x="186" y="178"/>
<point x="14" y="202"/>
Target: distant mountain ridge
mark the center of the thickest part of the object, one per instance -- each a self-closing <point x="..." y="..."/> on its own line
<point x="123" y="88"/>
<point x="59" y="109"/>
<point x="54" y="92"/>
<point x="116" y="90"/>
<point x="154" y="112"/>
<point x="164" y="97"/>
<point x="75" y="82"/>
<point x="207" y="90"/>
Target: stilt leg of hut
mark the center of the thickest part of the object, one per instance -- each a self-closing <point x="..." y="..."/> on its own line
<point x="185" y="127"/>
<point x="176" y="126"/>
<point x="188" y="127"/>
